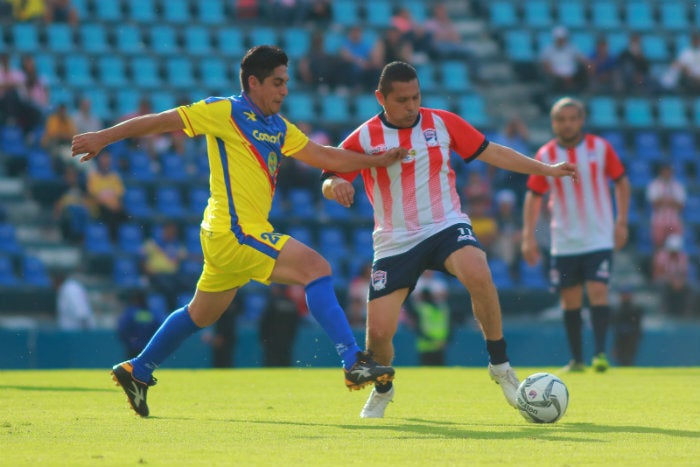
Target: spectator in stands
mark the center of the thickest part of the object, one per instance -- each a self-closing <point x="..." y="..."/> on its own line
<point x="73" y="209"/>
<point x="430" y="313"/>
<point x="564" y="66"/>
<point x="58" y="134"/>
<point x="509" y="224"/>
<point x="584" y="228"/>
<point x="320" y="13"/>
<point x="286" y="12"/>
<point x="666" y="195"/>
<point x="223" y="336"/>
<point x="6" y="11"/>
<point x="60" y="11"/>
<point x="447" y="42"/>
<point x="73" y="309"/>
<point x="670" y="274"/>
<point x="318" y="68"/>
<point x="106" y="189"/>
<point x="628" y="327"/>
<point x="278" y="327"/>
<point x="246" y="9"/>
<point x="634" y="66"/>
<point x="477" y="190"/>
<point x="29" y="10"/>
<point x="604" y="68"/>
<point x="414" y="33"/>
<point x="358" y="289"/>
<point x="35" y="86"/>
<point x="393" y="46"/>
<point x="515" y="134"/>
<point x="138" y="323"/>
<point x="151" y="144"/>
<point x="688" y="65"/>
<point x="84" y="119"/>
<point x="15" y="107"/>
<point x="358" y="57"/>
<point x="162" y="256"/>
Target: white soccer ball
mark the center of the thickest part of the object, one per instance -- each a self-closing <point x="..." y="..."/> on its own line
<point x="542" y="398"/>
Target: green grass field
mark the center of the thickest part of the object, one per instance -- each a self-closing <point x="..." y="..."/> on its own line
<point x="289" y="417"/>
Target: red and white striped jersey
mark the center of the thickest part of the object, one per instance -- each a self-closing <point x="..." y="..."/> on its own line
<point x="582" y="211"/>
<point x="416" y="198"/>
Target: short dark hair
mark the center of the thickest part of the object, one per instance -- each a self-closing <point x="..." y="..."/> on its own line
<point x="260" y="61"/>
<point x="393" y="72"/>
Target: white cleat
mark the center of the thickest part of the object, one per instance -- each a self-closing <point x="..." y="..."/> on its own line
<point x="376" y="404"/>
<point x="505" y="377"/>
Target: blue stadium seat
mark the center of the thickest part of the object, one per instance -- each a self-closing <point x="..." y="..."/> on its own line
<point x="25" y="37"/>
<point x="647" y="145"/>
<point x="617" y="41"/>
<point x="571" y="14"/>
<point x="59" y="37"/>
<point x="97" y="240"/>
<point x="108" y="11"/>
<point x="672" y="112"/>
<point x="455" y="76"/>
<point x="617" y="141"/>
<point x="380" y="14"/>
<point x="197" y="40"/>
<point x="211" y="12"/>
<point x="674" y="15"/>
<point x="9" y="245"/>
<point x="130" y="238"/>
<point x="605" y="15"/>
<point x="12" y="141"/>
<point x="691" y="211"/>
<point x="519" y="46"/>
<point x="584" y="41"/>
<point x="230" y="42"/>
<point x="198" y="199"/>
<point x="334" y="211"/>
<point x="637" y="112"/>
<point x="639" y="15"/>
<point x="655" y="48"/>
<point x="78" y="71"/>
<point x="163" y="39"/>
<point x="192" y="242"/>
<point x="125" y="272"/>
<point x="173" y="167"/>
<point x="537" y="14"/>
<point x="111" y="71"/>
<point x="682" y="145"/>
<point x="426" y="77"/>
<point x="93" y="38"/>
<point x="500" y="274"/>
<point x="418" y="9"/>
<point x="169" y="202"/>
<point x="127" y="99"/>
<point x="362" y="241"/>
<point x="473" y="109"/>
<point x="345" y="12"/>
<point x="47" y="67"/>
<point x="7" y="272"/>
<point x="128" y="38"/>
<point x="136" y="203"/>
<point x="503" y="14"/>
<point x="262" y="36"/>
<point x="139" y="167"/>
<point x="603" y="112"/>
<point x="362" y="207"/>
<point x="302" y="234"/>
<point x="253" y="306"/>
<point x="60" y="94"/>
<point x="34" y="272"/>
<point x="366" y="106"/>
<point x="335" y="108"/>
<point x="81" y="7"/>
<point x="157" y="303"/>
<point x="213" y="72"/>
<point x="532" y="277"/>
<point x="176" y="11"/>
<point x="639" y="172"/>
<point x="297" y="42"/>
<point x="40" y="166"/>
<point x="695" y="109"/>
<point x="142" y="11"/>
<point x="99" y="101"/>
<point x="300" y="107"/>
<point x="179" y="72"/>
<point x="435" y="101"/>
<point x="301" y="203"/>
<point x="145" y="72"/>
<point x="162" y="100"/>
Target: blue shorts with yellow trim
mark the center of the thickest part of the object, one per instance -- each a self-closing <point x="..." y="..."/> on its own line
<point x="232" y="261"/>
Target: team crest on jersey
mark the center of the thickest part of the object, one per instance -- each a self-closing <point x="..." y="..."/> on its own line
<point x="272" y="162"/>
<point x="410" y="157"/>
<point x="378" y="280"/>
<point x="377" y="149"/>
<point x="430" y="136"/>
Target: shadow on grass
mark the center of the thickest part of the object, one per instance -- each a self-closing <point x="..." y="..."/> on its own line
<point x="54" y="388"/>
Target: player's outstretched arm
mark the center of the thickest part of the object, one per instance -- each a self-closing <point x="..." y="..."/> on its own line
<point x="88" y="145"/>
<point x="531" y="212"/>
<point x="341" y="160"/>
<point x="506" y="158"/>
<point x="336" y="188"/>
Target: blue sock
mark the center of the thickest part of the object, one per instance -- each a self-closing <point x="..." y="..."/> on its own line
<point x="175" y="329"/>
<point x="324" y="307"/>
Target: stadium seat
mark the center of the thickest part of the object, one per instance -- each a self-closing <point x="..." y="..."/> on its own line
<point x="25" y="37"/>
<point x="192" y="242"/>
<point x="297" y="42"/>
<point x="12" y="141"/>
<point x="81" y="7"/>
<point x="301" y="203"/>
<point x="97" y="239"/>
<point x="335" y="108"/>
<point x="7" y="272"/>
<point x="617" y="140"/>
<point x="300" y="107"/>
<point x="584" y="41"/>
<point x="691" y="211"/>
<point x="140" y="168"/>
<point x="197" y="40"/>
<point x="436" y="101"/>
<point x="503" y="14"/>
<point x="682" y="145"/>
<point x="111" y="71"/>
<point x="674" y="15"/>
<point x="34" y="272"/>
<point x="179" y="72"/>
<point x="93" y="38"/>
<point x="78" y="73"/>
<point x="173" y="167"/>
<point x="345" y="12"/>
<point x="59" y="37"/>
<point x="136" y="203"/>
<point x="125" y="273"/>
<point x="537" y="14"/>
<point x="253" y="306"/>
<point x="163" y="39"/>
<point x="302" y="234"/>
<point x="672" y="112"/>
<point x="455" y="76"/>
<point x="230" y="42"/>
<point x="142" y="11"/>
<point x="40" y="166"/>
<point x="571" y="14"/>
<point x="127" y="99"/>
<point x="605" y="15"/>
<point x="176" y="11"/>
<point x="130" y="238"/>
<point x="655" y="48"/>
<point x="47" y="67"/>
<point x="211" y="12"/>
<point x="334" y="211"/>
<point x="366" y="106"/>
<point x="426" y="77"/>
<point x="500" y="274"/>
<point x="473" y="109"/>
<point x="637" y="112"/>
<point x="518" y="45"/>
<point x="60" y="94"/>
<point x="213" y="72"/>
<point x="145" y="72"/>
<point x="168" y="202"/>
<point x="639" y="15"/>
<point x="647" y="145"/>
<point x="696" y="111"/>
<point x="617" y="41"/>
<point x="162" y="100"/>
<point x="157" y="303"/>
<point x="262" y="36"/>
<point x="9" y="245"/>
<point x="108" y="11"/>
<point x="362" y="241"/>
<point x="532" y="277"/>
<point x="99" y="101"/>
<point x="379" y="14"/>
<point x="418" y="9"/>
<point x="198" y="199"/>
<point x="128" y="38"/>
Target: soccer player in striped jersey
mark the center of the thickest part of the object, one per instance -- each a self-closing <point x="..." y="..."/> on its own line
<point x="246" y="139"/>
<point x="584" y="226"/>
<point x="419" y="223"/>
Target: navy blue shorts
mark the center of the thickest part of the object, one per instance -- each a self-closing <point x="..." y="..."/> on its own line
<point x="571" y="270"/>
<point x="403" y="270"/>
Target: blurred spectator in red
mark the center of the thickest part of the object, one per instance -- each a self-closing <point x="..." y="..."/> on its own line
<point x="106" y="189"/>
<point x="604" y="76"/>
<point x="564" y="66"/>
<point x="670" y="273"/>
<point x="416" y="34"/>
<point x="246" y="9"/>
<point x="60" y="11"/>
<point x="446" y="40"/>
<point x="634" y="65"/>
<point x="667" y="197"/>
<point x="84" y="119"/>
<point x="358" y="56"/>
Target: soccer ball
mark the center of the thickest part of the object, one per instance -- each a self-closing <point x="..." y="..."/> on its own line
<point x="542" y="398"/>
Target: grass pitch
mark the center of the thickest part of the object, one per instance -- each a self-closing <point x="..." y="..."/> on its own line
<point x="294" y="417"/>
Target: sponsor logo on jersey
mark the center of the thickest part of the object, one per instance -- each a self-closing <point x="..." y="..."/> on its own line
<point x="378" y="280"/>
<point x="266" y="137"/>
<point x="377" y="149"/>
<point x="250" y="115"/>
<point x="430" y="136"/>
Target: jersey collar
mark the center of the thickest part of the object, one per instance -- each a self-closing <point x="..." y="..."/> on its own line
<point x="382" y="117"/>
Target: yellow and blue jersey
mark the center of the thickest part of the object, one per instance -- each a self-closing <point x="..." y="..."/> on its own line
<point x="244" y="149"/>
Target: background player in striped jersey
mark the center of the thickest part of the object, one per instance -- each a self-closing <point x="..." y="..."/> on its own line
<point x="584" y="228"/>
<point x="246" y="139"/>
<point x="419" y="223"/>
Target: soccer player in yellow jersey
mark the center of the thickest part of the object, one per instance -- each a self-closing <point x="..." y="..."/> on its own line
<point x="246" y="139"/>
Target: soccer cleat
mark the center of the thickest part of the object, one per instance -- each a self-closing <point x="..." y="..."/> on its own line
<point x="574" y="367"/>
<point x="600" y="363"/>
<point x="376" y="404"/>
<point x="505" y="377"/>
<point x="135" y="390"/>
<point x="366" y="371"/>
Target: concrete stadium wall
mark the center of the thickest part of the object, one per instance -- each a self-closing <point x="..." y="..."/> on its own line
<point x="528" y="345"/>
